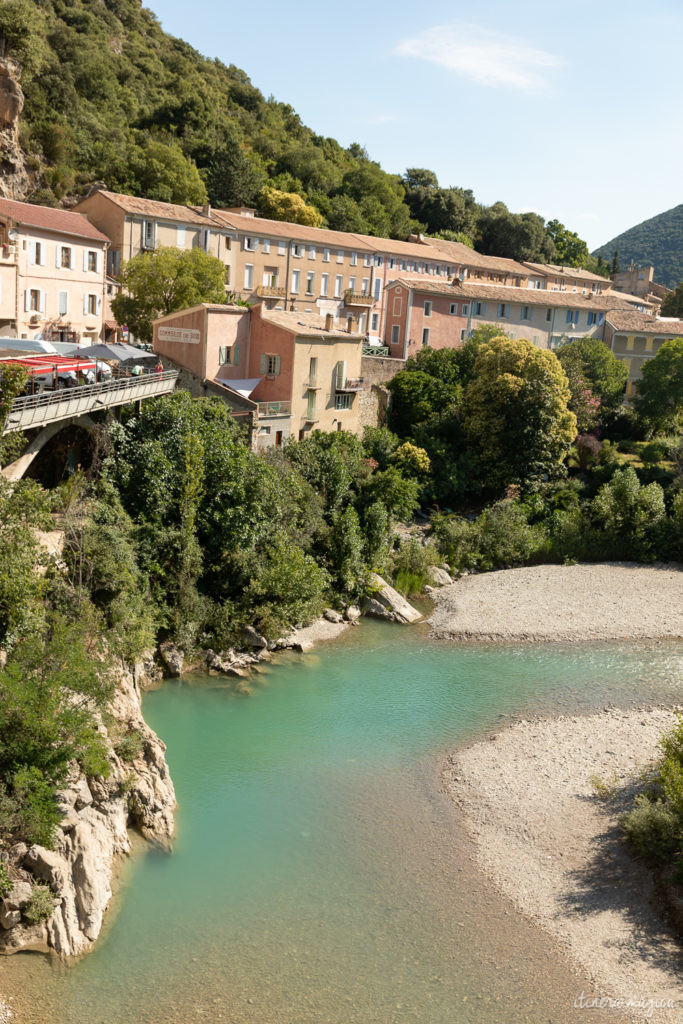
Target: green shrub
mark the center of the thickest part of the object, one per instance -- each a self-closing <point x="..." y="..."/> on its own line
<point x="6" y="884"/>
<point x="40" y="905"/>
<point x="628" y="447"/>
<point x="37" y="813"/>
<point x="653" y="453"/>
<point x="652" y="828"/>
<point x="411" y="563"/>
<point x="129" y="746"/>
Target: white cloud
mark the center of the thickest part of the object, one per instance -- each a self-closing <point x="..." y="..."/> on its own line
<point x="488" y="57"/>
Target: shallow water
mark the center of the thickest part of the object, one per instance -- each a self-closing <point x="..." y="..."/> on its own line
<point x="319" y="873"/>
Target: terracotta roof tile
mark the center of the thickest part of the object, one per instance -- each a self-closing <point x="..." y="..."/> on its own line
<point x="525" y="296"/>
<point x="154" y="208"/>
<point x="459" y="253"/>
<point x="265" y="228"/>
<point x="306" y="324"/>
<point x="553" y="269"/>
<point x="64" y="222"/>
<point x="645" y="323"/>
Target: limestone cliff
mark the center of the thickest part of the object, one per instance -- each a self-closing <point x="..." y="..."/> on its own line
<point x="13" y="175"/>
<point x="93" y="832"/>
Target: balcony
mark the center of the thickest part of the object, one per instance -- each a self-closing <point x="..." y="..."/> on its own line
<point x="313" y="384"/>
<point x="348" y="384"/>
<point x="271" y="410"/>
<point x="270" y="291"/>
<point x="358" y="299"/>
<point x="375" y="350"/>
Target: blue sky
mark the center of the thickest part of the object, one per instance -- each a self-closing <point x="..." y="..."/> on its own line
<point x="571" y="109"/>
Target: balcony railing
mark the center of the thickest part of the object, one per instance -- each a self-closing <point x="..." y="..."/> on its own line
<point x="358" y="299"/>
<point x="270" y="291"/>
<point x="312" y="384"/>
<point x="269" y="410"/>
<point x="375" y="350"/>
<point x="349" y="384"/>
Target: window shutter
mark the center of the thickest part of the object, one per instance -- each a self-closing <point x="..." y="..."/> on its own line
<point x="99" y="304"/>
<point x="32" y="253"/>
<point x="85" y="303"/>
<point x="41" y="308"/>
<point x="235" y="355"/>
<point x="58" y="261"/>
<point x="263" y="364"/>
<point x="483" y="309"/>
<point x="27" y="300"/>
<point x="98" y="261"/>
<point x="277" y="365"/>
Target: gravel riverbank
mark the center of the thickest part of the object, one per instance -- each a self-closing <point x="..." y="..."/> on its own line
<point x="555" y="850"/>
<point x="605" y="601"/>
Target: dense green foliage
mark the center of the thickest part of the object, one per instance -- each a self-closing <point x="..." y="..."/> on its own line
<point x="659" y="402"/>
<point x="160" y="282"/>
<point x="110" y="96"/>
<point x="658" y="240"/>
<point x="13" y="380"/>
<point x="672" y="304"/>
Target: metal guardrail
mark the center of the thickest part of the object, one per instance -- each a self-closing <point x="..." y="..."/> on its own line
<point x="375" y="350"/>
<point x="50" y="406"/>
<point x="272" y="409"/>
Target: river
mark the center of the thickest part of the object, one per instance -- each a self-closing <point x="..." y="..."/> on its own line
<point x="319" y="873"/>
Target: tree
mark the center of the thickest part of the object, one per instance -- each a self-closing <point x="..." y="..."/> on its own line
<point x="24" y="27"/>
<point x="672" y="305"/>
<point x="13" y="380"/>
<point x="517" y="236"/>
<point x="162" y="171"/>
<point x="516" y="413"/>
<point x="160" y="282"/>
<point x="592" y="363"/>
<point x="630" y="515"/>
<point x="615" y="262"/>
<point x="287" y="206"/>
<point x="417" y="397"/>
<point x="659" y="402"/>
<point x="570" y="250"/>
<point x="230" y="176"/>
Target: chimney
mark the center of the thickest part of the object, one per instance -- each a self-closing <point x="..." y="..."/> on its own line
<point x="206" y="210"/>
<point x="352" y="325"/>
<point x="329" y="322"/>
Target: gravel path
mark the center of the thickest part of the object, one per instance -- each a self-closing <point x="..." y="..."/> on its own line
<point x="555" y="850"/>
<point x="606" y="601"/>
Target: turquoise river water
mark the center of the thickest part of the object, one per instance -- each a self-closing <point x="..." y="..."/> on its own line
<point x="319" y="873"/>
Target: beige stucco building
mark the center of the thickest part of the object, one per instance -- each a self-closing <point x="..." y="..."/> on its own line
<point x="637" y="337"/>
<point x="51" y="274"/>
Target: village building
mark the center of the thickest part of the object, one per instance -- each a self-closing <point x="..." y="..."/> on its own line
<point x="636" y="337"/>
<point x="441" y="315"/>
<point x="287" y="372"/>
<point x="639" y="280"/>
<point x="52" y="271"/>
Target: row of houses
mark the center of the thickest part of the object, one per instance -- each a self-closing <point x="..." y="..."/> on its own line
<point x="327" y="307"/>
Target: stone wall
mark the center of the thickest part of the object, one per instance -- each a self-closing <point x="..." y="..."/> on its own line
<point x="379" y="369"/>
<point x="373" y="401"/>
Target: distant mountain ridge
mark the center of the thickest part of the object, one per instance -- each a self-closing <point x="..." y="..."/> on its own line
<point x="658" y="241"/>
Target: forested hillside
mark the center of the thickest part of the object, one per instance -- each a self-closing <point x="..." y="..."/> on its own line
<point x="658" y="241"/>
<point x="110" y="96"/>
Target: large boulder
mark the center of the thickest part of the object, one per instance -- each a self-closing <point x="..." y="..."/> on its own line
<point x="438" y="576"/>
<point x="173" y="658"/>
<point x="252" y="638"/>
<point x="352" y="613"/>
<point x="386" y="603"/>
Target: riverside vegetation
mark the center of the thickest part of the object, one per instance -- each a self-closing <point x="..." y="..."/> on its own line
<point x="179" y="532"/>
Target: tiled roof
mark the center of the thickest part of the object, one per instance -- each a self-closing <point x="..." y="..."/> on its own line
<point x="645" y="323"/>
<point x="459" y="253"/>
<point x="155" y="208"/>
<point x="413" y="250"/>
<point x="306" y="324"/>
<point x="264" y="228"/>
<point x="64" y="222"/>
<point x="553" y="269"/>
<point x="525" y="296"/>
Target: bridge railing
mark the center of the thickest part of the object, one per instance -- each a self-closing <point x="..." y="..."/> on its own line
<point x="38" y="410"/>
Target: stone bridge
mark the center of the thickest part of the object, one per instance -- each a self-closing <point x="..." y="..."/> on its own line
<point x="52" y="410"/>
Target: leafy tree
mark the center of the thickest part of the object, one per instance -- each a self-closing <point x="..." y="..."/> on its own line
<point x="379" y="444"/>
<point x="659" y="402"/>
<point x="232" y="178"/>
<point x="345" y="547"/>
<point x="450" y="211"/>
<point x="162" y="171"/>
<point x="570" y="250"/>
<point x="615" y="261"/>
<point x="630" y="515"/>
<point x="162" y="281"/>
<point x="13" y="380"/>
<point x="516" y="413"/>
<point x="517" y="236"/>
<point x="287" y="206"/>
<point x="417" y="397"/>
<point x="23" y="507"/>
<point x="592" y="364"/>
<point x="24" y="26"/>
<point x="672" y="304"/>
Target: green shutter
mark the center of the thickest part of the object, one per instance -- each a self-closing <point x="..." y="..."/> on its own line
<point x="264" y="364"/>
<point x="277" y="365"/>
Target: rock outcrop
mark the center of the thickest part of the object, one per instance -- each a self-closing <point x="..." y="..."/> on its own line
<point x="386" y="603"/>
<point x="92" y="834"/>
<point x="13" y="173"/>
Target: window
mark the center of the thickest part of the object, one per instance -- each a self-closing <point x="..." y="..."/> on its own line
<point x="270" y="365"/>
<point x="392" y="263"/>
<point x="296" y="275"/>
<point x="37" y="254"/>
<point x="394" y="334"/>
<point x="297" y="250"/>
<point x="282" y="248"/>
<point x="354" y="259"/>
<point x="365" y="285"/>
<point x="63" y="303"/>
<point x="378" y="289"/>
<point x="326" y="255"/>
<point x="454" y="309"/>
<point x="465" y="309"/>
<point x="463" y="332"/>
<point x="311" y="252"/>
<point x="343" y="401"/>
<point x="572" y="316"/>
<point x="148" y="234"/>
<point x="93" y="261"/>
<point x="340" y="256"/>
<point x="180" y="235"/>
<point x="425" y="336"/>
<point x="64" y="257"/>
<point x="379" y="260"/>
<point x="352" y="284"/>
<point x="33" y="300"/>
<point x="479" y="309"/>
<point x="601" y="317"/>
<point x="428" y="309"/>
<point x="374" y="321"/>
<point x="92" y="305"/>
<point x="313" y="371"/>
<point x="310" y="281"/>
<point x="250" y="244"/>
<point x="367" y="260"/>
<point x="265" y="245"/>
<point x="324" y="283"/>
<point x="526" y="313"/>
<point x="249" y="275"/>
<point x="338" y="286"/>
<point x="592" y="318"/>
<point x="503" y="309"/>
<point x="223" y="354"/>
<point x="548" y="315"/>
